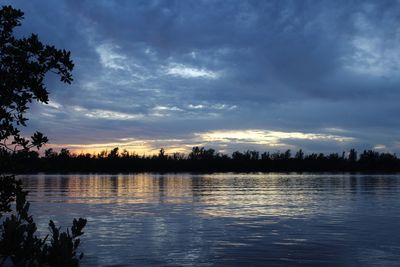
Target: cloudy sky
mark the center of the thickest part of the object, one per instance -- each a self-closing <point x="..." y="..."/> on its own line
<point x="232" y="75"/>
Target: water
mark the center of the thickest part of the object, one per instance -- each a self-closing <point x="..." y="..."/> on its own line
<point x="226" y="219"/>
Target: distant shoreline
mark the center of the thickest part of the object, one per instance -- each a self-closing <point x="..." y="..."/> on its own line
<point x="200" y="160"/>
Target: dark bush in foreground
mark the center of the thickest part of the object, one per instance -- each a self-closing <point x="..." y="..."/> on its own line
<point x="19" y="243"/>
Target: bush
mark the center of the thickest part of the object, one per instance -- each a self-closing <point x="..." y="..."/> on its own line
<point x="19" y="244"/>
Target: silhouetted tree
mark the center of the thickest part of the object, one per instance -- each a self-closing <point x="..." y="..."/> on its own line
<point x="333" y="157"/>
<point x="50" y="153"/>
<point x="299" y="155"/>
<point x="161" y="154"/>
<point x="178" y="156"/>
<point x="352" y="155"/>
<point x="287" y="154"/>
<point x="64" y="154"/>
<point x="102" y="154"/>
<point x="265" y="156"/>
<point x="23" y="65"/>
<point x="113" y="153"/>
<point x="237" y="155"/>
<point x="125" y="153"/>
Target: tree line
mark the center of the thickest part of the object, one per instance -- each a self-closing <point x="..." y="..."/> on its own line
<point x="200" y="159"/>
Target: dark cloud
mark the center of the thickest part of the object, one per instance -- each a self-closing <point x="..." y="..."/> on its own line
<point x="159" y="70"/>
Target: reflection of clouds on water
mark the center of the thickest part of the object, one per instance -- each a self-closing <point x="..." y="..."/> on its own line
<point x="225" y="219"/>
<point x="227" y="195"/>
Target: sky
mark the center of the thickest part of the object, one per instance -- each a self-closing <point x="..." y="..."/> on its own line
<point x="323" y="76"/>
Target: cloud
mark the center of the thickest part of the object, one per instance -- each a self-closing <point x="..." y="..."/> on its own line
<point x="373" y="52"/>
<point x="166" y="70"/>
<point x="111" y="59"/>
<point x="183" y="71"/>
<point x="265" y="137"/>
<point x="225" y="141"/>
<point x="112" y="115"/>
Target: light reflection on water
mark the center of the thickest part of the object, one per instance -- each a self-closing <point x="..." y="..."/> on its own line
<point x="226" y="219"/>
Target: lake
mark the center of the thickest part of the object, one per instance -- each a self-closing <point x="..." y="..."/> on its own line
<point x="226" y="219"/>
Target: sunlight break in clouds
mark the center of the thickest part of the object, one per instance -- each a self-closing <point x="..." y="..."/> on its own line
<point x="138" y="146"/>
<point x="263" y="137"/>
<point x="184" y="71"/>
<point x="222" y="140"/>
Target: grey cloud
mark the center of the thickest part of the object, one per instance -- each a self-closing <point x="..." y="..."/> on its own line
<point x="283" y="65"/>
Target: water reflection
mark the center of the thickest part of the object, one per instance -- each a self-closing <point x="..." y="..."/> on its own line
<point x="226" y="219"/>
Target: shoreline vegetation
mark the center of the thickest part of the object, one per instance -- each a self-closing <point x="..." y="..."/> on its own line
<point x="200" y="159"/>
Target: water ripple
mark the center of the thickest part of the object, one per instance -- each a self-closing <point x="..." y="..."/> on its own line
<point x="226" y="219"/>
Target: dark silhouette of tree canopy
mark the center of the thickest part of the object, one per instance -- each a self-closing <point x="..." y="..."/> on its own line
<point x="24" y="64"/>
<point x="201" y="159"/>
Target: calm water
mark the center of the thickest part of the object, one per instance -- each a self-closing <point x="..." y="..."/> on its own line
<point x="227" y="219"/>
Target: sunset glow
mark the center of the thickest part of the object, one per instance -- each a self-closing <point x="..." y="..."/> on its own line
<point x="222" y="140"/>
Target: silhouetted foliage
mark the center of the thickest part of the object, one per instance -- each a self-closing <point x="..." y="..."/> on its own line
<point x="353" y="155"/>
<point x="202" y="159"/>
<point x="19" y="244"/>
<point x="23" y="65"/>
<point x="299" y="155"/>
